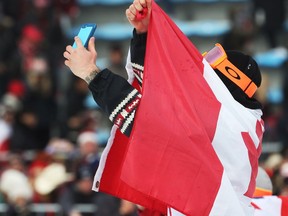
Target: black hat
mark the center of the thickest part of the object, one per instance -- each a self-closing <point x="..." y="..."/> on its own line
<point x="248" y="66"/>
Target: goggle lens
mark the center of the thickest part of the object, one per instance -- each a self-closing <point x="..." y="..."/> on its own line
<point x="213" y="55"/>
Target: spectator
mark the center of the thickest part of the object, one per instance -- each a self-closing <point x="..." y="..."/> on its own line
<point x="117" y="60"/>
<point x="40" y="161"/>
<point x="5" y="130"/>
<point x="274" y="17"/>
<point x="33" y="124"/>
<point x="127" y="208"/>
<point x="7" y="46"/>
<point x="14" y="10"/>
<point x="60" y="149"/>
<point x="240" y="36"/>
<point x="11" y="105"/>
<point x="87" y="154"/>
<point x="79" y="192"/>
<point x="44" y="15"/>
<point x="30" y="45"/>
<point x="272" y="166"/>
<point x="67" y="11"/>
<point x="9" y="108"/>
<point x="283" y="121"/>
<point x="74" y="120"/>
<point x="48" y="182"/>
<point x="18" y="192"/>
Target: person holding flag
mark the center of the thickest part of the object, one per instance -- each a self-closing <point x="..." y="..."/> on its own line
<point x="197" y="135"/>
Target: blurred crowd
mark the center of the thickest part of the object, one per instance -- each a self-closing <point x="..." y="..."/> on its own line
<point x="60" y="174"/>
<point x="52" y="132"/>
<point x="40" y="98"/>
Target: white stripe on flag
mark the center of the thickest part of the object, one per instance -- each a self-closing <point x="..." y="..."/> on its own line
<point x="104" y="155"/>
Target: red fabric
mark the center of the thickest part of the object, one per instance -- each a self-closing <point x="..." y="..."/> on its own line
<point x="284" y="210"/>
<point x="169" y="159"/>
<point x="111" y="181"/>
<point x="254" y="154"/>
<point x="170" y="156"/>
<point x="111" y="178"/>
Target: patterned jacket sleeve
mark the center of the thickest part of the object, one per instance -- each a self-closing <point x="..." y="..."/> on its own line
<point x="138" y="49"/>
<point x="116" y="97"/>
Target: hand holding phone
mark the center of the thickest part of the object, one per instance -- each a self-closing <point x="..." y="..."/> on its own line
<point x="85" y="33"/>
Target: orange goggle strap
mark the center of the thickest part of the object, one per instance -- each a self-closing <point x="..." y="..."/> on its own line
<point x="261" y="192"/>
<point x="233" y="73"/>
<point x="237" y="77"/>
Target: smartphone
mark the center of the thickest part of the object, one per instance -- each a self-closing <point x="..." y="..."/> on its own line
<point x="85" y="33"/>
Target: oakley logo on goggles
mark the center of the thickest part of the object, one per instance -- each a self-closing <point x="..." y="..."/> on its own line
<point x="217" y="58"/>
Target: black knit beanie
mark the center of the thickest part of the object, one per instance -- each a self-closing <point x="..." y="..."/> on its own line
<point x="248" y="66"/>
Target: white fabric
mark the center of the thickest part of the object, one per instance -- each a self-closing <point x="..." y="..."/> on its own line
<point x="268" y="206"/>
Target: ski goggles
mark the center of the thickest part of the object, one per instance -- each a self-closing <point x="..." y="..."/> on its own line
<point x="217" y="58"/>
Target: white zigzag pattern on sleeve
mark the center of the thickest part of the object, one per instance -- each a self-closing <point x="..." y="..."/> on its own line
<point x="122" y="104"/>
<point x="128" y="122"/>
<point x="137" y="66"/>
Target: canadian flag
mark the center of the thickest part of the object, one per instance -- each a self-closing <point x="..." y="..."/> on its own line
<point x="193" y="147"/>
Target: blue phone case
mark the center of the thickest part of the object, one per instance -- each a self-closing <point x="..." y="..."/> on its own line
<point x="85" y="33"/>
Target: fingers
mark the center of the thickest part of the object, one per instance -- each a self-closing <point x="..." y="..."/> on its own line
<point x="78" y="42"/>
<point x="132" y="9"/>
<point x="91" y="45"/>
<point x="143" y="3"/>
<point x="67" y="56"/>
<point x="138" y="6"/>
<point x="69" y="49"/>
<point x="130" y="15"/>
<point x="67" y="63"/>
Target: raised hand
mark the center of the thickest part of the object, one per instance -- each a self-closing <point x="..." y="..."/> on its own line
<point x="138" y="14"/>
<point x="81" y="61"/>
